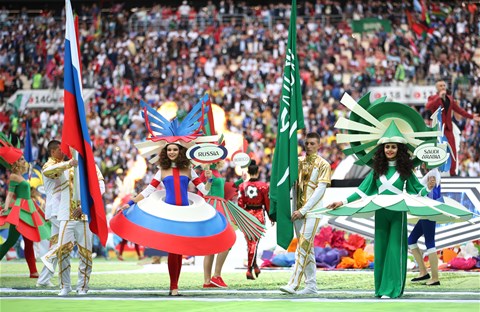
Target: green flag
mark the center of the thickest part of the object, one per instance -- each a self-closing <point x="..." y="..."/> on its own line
<point x="285" y="157"/>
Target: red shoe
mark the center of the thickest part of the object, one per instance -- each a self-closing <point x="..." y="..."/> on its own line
<point x="257" y="271"/>
<point x="250" y="275"/>
<point x="209" y="285"/>
<point x="120" y="258"/>
<point x="218" y="281"/>
<point x="141" y="257"/>
<point x="34" y="275"/>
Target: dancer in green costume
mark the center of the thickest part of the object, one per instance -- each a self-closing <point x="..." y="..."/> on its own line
<point x="386" y="150"/>
<point x="20" y="211"/>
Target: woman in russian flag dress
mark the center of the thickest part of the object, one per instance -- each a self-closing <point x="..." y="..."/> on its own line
<point x="173" y="220"/>
<point x="20" y="211"/>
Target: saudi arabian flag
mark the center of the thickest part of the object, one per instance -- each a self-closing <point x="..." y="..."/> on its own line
<point x="285" y="157"/>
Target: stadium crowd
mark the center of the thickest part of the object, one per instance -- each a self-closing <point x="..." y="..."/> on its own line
<point x="235" y="52"/>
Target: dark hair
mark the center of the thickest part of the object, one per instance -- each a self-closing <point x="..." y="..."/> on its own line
<point x="252" y="168"/>
<point x="404" y="164"/>
<point x="313" y="135"/>
<point x="53" y="144"/>
<point x="182" y="161"/>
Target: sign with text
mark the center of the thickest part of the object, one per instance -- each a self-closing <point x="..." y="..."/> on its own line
<point x="431" y="153"/>
<point x="207" y="153"/>
<point x="44" y="98"/>
<point x="417" y="95"/>
<point x="371" y="24"/>
<point x="241" y="159"/>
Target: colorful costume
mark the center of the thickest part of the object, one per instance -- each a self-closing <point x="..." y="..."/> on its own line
<point x="384" y="196"/>
<point x="314" y="176"/>
<point x="220" y="195"/>
<point x="23" y="215"/>
<point x="254" y="199"/>
<point x="174" y="220"/>
<point x="448" y="105"/>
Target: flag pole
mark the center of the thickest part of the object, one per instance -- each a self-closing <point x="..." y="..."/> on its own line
<point x="285" y="157"/>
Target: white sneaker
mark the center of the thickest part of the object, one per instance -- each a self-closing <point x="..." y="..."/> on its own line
<point x="288" y="289"/>
<point x="48" y="264"/>
<point x="385" y="297"/>
<point x="64" y="292"/>
<point x="82" y="292"/>
<point x="307" y="291"/>
<point x="47" y="284"/>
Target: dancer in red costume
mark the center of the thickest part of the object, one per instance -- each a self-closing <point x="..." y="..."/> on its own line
<point x="20" y="211"/>
<point x="254" y="199"/>
<point x="448" y="105"/>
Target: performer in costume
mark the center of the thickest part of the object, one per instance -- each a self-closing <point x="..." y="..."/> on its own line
<point x="427" y="229"/>
<point x="53" y="189"/>
<point x="448" y="105"/>
<point x="20" y="211"/>
<point x="314" y="176"/>
<point x="220" y="196"/>
<point x="73" y="229"/>
<point x="254" y="199"/>
<point x="385" y="148"/>
<point x="173" y="220"/>
<point x="122" y="247"/>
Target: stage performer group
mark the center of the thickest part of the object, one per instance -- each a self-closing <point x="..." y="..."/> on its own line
<point x="167" y="217"/>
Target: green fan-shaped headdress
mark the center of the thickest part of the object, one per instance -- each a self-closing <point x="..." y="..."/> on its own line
<point x="373" y="123"/>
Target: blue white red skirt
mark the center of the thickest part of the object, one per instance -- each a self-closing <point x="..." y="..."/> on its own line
<point x="196" y="230"/>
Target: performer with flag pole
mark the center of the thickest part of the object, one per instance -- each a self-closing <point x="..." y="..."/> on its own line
<point x="81" y="200"/>
<point x="173" y="220"/>
<point x="285" y="171"/>
<point x="314" y="178"/>
<point x="20" y="211"/>
<point x="381" y="135"/>
<point x="77" y="137"/>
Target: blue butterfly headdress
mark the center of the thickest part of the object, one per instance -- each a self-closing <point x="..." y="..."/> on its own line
<point x="163" y="131"/>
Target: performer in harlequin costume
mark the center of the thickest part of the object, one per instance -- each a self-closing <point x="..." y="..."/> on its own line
<point x="381" y="135"/>
<point x="20" y="211"/>
<point x="173" y="220"/>
<point x="254" y="199"/>
<point x="448" y="105"/>
<point x="220" y="196"/>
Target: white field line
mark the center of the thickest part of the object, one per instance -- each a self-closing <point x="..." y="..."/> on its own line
<point x="231" y="291"/>
<point x="391" y="301"/>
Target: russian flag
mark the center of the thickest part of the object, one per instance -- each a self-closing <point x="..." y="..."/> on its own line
<point x="75" y="134"/>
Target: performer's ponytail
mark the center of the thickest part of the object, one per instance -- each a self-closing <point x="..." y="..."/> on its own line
<point x="252" y="168"/>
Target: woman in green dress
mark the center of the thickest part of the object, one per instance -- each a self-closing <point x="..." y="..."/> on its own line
<point x="382" y="194"/>
<point x="392" y="170"/>
<point x="20" y="211"/>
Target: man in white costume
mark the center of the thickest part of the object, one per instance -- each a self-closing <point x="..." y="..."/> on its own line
<point x="73" y="229"/>
<point x="314" y="176"/>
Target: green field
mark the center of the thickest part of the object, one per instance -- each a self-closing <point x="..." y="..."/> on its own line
<point x="128" y="286"/>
